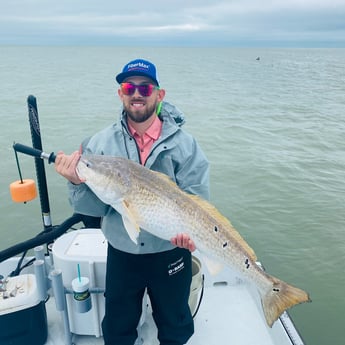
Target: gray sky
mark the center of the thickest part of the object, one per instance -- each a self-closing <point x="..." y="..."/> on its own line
<point x="300" y="23"/>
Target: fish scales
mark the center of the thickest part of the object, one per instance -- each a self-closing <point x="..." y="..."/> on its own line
<point x="152" y="201"/>
<point x="152" y="193"/>
<point x="162" y="208"/>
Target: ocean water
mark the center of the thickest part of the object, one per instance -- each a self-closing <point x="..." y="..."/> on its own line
<point x="273" y="130"/>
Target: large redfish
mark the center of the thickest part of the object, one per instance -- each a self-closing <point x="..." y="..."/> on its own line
<point x="151" y="201"/>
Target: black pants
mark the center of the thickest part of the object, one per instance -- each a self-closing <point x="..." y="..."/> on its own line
<point x="167" y="277"/>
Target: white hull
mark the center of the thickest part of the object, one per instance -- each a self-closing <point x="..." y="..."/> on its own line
<point x="230" y="311"/>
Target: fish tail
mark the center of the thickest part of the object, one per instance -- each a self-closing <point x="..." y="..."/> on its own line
<point x="280" y="297"/>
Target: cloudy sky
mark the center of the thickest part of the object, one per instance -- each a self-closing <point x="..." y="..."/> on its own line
<point x="301" y="23"/>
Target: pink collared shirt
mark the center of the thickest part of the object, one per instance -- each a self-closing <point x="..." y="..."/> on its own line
<point x="146" y="141"/>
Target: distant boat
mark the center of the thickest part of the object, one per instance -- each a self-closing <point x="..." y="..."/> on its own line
<point x="258" y="58"/>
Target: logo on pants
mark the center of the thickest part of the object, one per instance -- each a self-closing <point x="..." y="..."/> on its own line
<point x="176" y="266"/>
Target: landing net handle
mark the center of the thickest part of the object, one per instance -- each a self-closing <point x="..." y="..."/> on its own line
<point x="39" y="164"/>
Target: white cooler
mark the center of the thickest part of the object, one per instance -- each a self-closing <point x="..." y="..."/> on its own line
<point x="88" y="249"/>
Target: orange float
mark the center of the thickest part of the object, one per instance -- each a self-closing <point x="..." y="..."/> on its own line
<point x="23" y="190"/>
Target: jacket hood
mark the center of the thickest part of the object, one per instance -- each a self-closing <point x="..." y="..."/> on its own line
<point x="171" y="110"/>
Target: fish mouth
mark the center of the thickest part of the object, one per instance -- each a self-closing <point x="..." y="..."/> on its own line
<point x="83" y="159"/>
<point x="83" y="162"/>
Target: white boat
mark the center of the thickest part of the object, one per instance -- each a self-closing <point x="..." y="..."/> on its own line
<point x="38" y="305"/>
<point x="229" y="312"/>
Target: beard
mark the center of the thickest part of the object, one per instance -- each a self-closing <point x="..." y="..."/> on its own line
<point x="141" y="115"/>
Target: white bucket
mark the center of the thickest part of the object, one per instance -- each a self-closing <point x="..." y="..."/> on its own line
<point x="196" y="285"/>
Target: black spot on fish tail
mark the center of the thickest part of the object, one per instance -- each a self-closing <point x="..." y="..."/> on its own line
<point x="246" y="262"/>
<point x="225" y="244"/>
<point x="215" y="229"/>
<point x="280" y="297"/>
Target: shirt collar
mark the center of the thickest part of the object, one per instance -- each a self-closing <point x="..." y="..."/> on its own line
<point x="154" y="131"/>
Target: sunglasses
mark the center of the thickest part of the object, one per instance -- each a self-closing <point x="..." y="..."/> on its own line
<point x="145" y="90"/>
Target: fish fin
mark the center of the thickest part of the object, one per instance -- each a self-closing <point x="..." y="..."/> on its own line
<point x="129" y="221"/>
<point x="132" y="229"/>
<point x="214" y="267"/>
<point x="279" y="298"/>
<point x="223" y="220"/>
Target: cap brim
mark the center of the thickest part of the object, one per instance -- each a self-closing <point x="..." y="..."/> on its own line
<point x="123" y="76"/>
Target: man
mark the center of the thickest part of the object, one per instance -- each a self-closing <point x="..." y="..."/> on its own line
<point x="148" y="132"/>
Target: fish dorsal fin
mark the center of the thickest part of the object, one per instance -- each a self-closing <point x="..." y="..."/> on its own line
<point x="129" y="220"/>
<point x="226" y="224"/>
<point x="164" y="177"/>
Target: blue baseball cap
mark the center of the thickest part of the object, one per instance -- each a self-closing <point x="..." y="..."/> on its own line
<point x="138" y="67"/>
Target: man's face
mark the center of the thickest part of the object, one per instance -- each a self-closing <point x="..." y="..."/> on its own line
<point x="140" y="108"/>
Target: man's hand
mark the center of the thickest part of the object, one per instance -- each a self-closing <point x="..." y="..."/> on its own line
<point x="66" y="165"/>
<point x="183" y="241"/>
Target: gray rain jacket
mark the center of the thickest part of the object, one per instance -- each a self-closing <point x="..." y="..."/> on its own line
<point x="175" y="153"/>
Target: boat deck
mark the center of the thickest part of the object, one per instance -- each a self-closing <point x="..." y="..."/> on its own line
<point x="230" y="311"/>
<point x="228" y="314"/>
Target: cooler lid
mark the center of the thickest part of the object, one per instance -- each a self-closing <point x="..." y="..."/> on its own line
<point x="84" y="244"/>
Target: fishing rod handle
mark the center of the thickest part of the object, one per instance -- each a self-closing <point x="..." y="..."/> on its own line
<point x="34" y="152"/>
